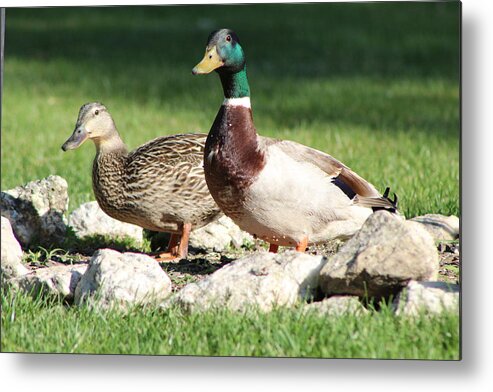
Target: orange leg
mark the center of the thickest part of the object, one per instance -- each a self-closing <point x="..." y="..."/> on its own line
<point x="302" y="245"/>
<point x="273" y="248"/>
<point x="177" y="246"/>
<point x="185" y="236"/>
<point x="172" y="250"/>
<point x="173" y="244"/>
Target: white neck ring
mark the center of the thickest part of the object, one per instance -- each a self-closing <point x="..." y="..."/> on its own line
<point x="243" y="101"/>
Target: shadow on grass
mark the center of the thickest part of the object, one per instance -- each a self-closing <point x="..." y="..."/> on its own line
<point x="88" y="245"/>
<point x="196" y="266"/>
<point x="317" y="62"/>
<point x="304" y="40"/>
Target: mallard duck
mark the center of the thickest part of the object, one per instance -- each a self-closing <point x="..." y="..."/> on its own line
<point x="159" y="186"/>
<point x="280" y="191"/>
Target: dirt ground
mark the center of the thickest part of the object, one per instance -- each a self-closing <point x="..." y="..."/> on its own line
<point x="200" y="264"/>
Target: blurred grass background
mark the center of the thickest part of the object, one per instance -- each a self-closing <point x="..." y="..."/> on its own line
<point x="374" y="84"/>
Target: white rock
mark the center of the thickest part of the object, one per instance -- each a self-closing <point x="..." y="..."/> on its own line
<point x="89" y="219"/>
<point x="260" y="280"/>
<point x="217" y="236"/>
<point x="430" y="297"/>
<point x="381" y="258"/>
<point x="114" y="278"/>
<point x="337" y="306"/>
<point x="60" y="281"/>
<point x="11" y="265"/>
<point x="36" y="211"/>
<point x="440" y="227"/>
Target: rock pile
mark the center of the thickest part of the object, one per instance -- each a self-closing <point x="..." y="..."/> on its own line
<point x="58" y="281"/>
<point x="388" y="257"/>
<point x="217" y="236"/>
<point x="381" y="259"/>
<point x="261" y="280"/>
<point x="338" y="305"/>
<point x="36" y="211"/>
<point x="440" y="227"/>
<point x="90" y="220"/>
<point x="11" y="265"/>
<point x="430" y="297"/>
<point x="114" y="278"/>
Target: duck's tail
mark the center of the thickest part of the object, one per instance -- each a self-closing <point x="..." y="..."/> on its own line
<point x="383" y="202"/>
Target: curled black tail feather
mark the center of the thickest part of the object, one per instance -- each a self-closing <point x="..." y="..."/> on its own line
<point x="379" y="202"/>
<point x="394" y="202"/>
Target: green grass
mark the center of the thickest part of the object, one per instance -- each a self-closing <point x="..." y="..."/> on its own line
<point x="34" y="325"/>
<point x="375" y="85"/>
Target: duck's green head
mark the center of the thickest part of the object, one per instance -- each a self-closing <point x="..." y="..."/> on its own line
<point x="223" y="53"/>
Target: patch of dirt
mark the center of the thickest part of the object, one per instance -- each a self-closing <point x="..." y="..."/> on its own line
<point x="195" y="267"/>
<point x="326" y="249"/>
<point x="449" y="253"/>
<point x="37" y="260"/>
<point x="201" y="264"/>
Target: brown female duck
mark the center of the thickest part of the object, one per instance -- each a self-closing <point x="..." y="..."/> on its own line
<point x="159" y="186"/>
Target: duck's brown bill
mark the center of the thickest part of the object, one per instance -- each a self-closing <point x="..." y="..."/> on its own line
<point x="78" y="137"/>
<point x="209" y="63"/>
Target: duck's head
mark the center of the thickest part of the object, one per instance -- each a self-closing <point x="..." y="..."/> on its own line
<point x="222" y="53"/>
<point x="94" y="122"/>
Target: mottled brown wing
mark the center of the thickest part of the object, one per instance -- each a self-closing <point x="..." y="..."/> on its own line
<point x="179" y="158"/>
<point x="169" y="150"/>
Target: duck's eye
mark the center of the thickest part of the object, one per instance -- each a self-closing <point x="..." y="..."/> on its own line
<point x="96" y="112"/>
<point x="228" y="38"/>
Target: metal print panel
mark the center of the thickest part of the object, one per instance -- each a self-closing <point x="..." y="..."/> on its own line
<point x="269" y="180"/>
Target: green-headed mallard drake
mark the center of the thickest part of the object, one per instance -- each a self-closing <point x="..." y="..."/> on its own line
<point x="159" y="186"/>
<point x="280" y="191"/>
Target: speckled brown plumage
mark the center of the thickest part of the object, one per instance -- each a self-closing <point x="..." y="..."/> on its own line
<point x="159" y="186"/>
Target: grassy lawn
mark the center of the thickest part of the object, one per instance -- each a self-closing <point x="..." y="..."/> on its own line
<point x="42" y="326"/>
<point x="375" y="85"/>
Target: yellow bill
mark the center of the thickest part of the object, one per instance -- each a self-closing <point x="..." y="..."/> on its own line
<point x="209" y="63"/>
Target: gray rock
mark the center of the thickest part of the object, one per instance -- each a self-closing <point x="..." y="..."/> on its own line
<point x="121" y="279"/>
<point x="59" y="281"/>
<point x="337" y="306"/>
<point x="440" y="227"/>
<point x="260" y="280"/>
<point x="430" y="297"/>
<point x="36" y="210"/>
<point x="11" y="266"/>
<point x="217" y="236"/>
<point x="381" y="258"/>
<point x="89" y="220"/>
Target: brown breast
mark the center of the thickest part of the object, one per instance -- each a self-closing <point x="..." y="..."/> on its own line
<point x="232" y="157"/>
